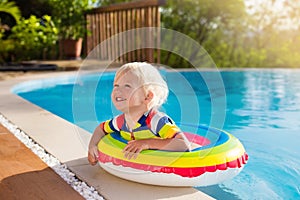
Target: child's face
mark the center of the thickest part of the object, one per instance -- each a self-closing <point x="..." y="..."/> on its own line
<point x="128" y="94"/>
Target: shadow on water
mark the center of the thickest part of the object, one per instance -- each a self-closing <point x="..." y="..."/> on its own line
<point x="216" y="192"/>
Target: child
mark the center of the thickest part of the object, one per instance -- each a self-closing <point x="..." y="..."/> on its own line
<point x="138" y="92"/>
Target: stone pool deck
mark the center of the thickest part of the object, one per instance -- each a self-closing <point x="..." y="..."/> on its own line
<point x="23" y="175"/>
<point x="68" y="143"/>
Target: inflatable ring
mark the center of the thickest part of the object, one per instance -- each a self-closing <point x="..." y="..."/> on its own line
<point x="216" y="157"/>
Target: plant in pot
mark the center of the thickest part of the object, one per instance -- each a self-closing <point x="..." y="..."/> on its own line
<point x="69" y="16"/>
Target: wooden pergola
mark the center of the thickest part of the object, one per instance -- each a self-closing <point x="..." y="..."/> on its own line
<point x="114" y="31"/>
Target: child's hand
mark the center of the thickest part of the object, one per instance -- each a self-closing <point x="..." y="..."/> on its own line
<point x="134" y="147"/>
<point x="93" y="156"/>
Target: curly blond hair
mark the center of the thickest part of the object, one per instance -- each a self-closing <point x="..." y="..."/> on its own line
<point x="150" y="79"/>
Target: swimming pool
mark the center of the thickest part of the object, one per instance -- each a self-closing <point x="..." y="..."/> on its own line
<point x="262" y="110"/>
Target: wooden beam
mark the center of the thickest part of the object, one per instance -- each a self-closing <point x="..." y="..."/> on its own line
<point x="128" y="5"/>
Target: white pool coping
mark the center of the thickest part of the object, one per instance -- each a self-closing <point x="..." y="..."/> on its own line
<point x="68" y="143"/>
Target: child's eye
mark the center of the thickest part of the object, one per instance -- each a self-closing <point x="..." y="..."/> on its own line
<point x="127" y="86"/>
<point x="116" y="85"/>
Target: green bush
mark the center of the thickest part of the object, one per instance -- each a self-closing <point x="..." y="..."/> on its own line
<point x="69" y="15"/>
<point x="6" y="50"/>
<point x="34" y="38"/>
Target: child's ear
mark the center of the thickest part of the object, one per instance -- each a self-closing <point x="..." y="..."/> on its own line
<point x="149" y="96"/>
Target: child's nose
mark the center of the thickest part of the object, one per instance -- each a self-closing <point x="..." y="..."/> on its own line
<point x="118" y="90"/>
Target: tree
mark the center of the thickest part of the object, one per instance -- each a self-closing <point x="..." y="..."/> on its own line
<point x="210" y="22"/>
<point x="274" y="26"/>
<point x="110" y="2"/>
<point x="69" y="17"/>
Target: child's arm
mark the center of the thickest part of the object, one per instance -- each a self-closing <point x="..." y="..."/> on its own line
<point x="178" y="143"/>
<point x="93" y="148"/>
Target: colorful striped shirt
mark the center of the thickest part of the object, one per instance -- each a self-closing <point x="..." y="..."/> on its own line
<point x="152" y="124"/>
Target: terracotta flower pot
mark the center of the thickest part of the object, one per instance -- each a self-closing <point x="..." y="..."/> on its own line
<point x="72" y="48"/>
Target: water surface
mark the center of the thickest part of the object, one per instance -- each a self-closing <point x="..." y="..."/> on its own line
<point x="262" y="109"/>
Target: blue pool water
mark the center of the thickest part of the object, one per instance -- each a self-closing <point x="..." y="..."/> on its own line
<point x="260" y="107"/>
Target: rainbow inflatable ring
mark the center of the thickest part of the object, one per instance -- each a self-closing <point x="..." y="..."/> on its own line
<point x="216" y="156"/>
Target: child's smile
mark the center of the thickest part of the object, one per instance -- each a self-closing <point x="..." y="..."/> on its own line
<point x="118" y="99"/>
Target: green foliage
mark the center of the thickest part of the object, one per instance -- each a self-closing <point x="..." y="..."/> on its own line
<point x="7" y="47"/>
<point x="110" y="2"/>
<point x="10" y="9"/>
<point x="69" y="15"/>
<point x="208" y="22"/>
<point x="284" y="50"/>
<point x="277" y="32"/>
<point x="233" y="36"/>
<point x="33" y="38"/>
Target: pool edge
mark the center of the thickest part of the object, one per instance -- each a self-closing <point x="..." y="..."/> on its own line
<point x="36" y="121"/>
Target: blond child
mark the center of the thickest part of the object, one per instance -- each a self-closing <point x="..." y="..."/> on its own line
<point x="138" y="92"/>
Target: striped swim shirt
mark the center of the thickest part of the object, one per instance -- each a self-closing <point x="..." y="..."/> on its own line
<point x="152" y="124"/>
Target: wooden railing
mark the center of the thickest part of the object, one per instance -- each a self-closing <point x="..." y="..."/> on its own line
<point x="114" y="31"/>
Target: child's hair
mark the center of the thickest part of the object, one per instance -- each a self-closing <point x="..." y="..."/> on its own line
<point x="150" y="79"/>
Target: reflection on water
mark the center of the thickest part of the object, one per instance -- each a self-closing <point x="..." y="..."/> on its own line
<point x="266" y="99"/>
<point x="263" y="111"/>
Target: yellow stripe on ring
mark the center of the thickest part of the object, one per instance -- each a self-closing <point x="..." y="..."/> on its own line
<point x="229" y="151"/>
